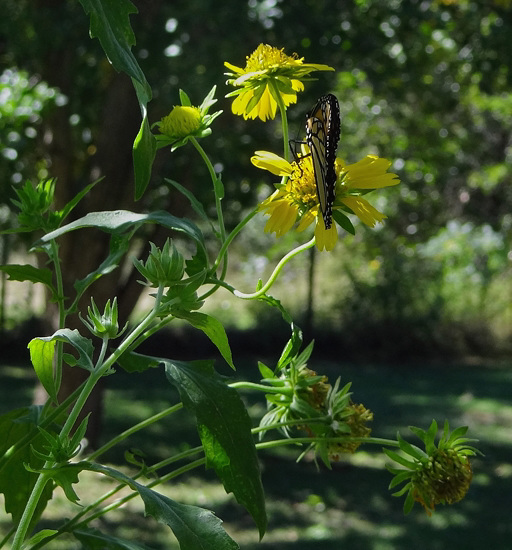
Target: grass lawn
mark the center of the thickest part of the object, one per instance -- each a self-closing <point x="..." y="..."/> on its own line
<point x="310" y="508"/>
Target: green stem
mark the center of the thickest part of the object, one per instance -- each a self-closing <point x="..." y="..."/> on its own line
<point x="124" y="500"/>
<point x="276" y="272"/>
<point x="215" y="181"/>
<point x="30" y="508"/>
<point x="231" y="236"/>
<point x="140" y="426"/>
<point x="309" y="440"/>
<point x="261" y="387"/>
<point x="54" y="247"/>
<point x="96" y="375"/>
<point x="284" y="119"/>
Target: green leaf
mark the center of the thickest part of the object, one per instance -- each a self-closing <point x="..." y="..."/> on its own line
<point x="26" y="272"/>
<point x="194" y="527"/>
<point x="400" y="460"/>
<point x="76" y="199"/>
<point x="38" y="537"/>
<point x="196" y="205"/>
<point x="144" y="151"/>
<point x="213" y="329"/>
<point x="225" y="430"/>
<point x="110" y="23"/>
<point x="16" y="482"/>
<point x="400" y="478"/>
<point x="343" y="221"/>
<point x="119" y="221"/>
<point x="135" y="362"/>
<point x="82" y="345"/>
<point x="411" y="450"/>
<point x="219" y="187"/>
<point x="92" y="539"/>
<point x="66" y="476"/>
<point x="41" y="356"/>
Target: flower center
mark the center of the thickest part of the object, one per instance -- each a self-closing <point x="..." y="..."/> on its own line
<point x="301" y="184"/>
<point x="265" y="57"/>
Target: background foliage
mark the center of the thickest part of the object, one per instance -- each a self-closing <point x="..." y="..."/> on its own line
<point x="426" y="84"/>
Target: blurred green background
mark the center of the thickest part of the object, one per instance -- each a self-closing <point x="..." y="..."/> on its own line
<point x="427" y="84"/>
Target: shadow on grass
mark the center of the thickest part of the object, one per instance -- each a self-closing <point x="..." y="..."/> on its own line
<point x="350" y="506"/>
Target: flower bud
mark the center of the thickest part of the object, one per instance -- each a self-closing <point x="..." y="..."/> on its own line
<point x="181" y="122"/>
<point x="163" y="267"/>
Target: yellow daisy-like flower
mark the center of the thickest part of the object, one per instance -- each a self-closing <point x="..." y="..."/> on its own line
<point x="297" y="198"/>
<point x="268" y="72"/>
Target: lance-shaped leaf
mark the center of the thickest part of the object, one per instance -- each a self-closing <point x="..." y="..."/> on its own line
<point x="119" y="221"/>
<point x="225" y="430"/>
<point x="144" y="151"/>
<point x="213" y="328"/>
<point x="194" y="527"/>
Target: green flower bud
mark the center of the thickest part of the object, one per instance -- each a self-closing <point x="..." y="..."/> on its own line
<point x="163" y="267"/>
<point x="103" y="324"/>
<point x="182" y="121"/>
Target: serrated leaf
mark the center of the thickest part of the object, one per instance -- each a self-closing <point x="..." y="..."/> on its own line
<point x="144" y="151"/>
<point x="27" y="272"/>
<point x="66" y="477"/>
<point x="135" y="362"/>
<point x="41" y="356"/>
<point x="82" y="345"/>
<point x="194" y="527"/>
<point x="16" y="482"/>
<point x="225" y="430"/>
<point x="213" y="329"/>
<point x="110" y="23"/>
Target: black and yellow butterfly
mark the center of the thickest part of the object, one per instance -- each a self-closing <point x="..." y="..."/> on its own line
<point x="322" y="137"/>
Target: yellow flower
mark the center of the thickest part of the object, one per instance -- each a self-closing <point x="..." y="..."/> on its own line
<point x="268" y="74"/>
<point x="297" y="200"/>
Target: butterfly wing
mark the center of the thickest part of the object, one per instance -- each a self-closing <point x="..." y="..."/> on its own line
<point x="322" y="136"/>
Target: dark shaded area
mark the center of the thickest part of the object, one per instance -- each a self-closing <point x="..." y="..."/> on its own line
<point x="350" y="505"/>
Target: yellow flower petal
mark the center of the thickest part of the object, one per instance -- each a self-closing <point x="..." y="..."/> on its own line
<point x="307" y="219"/>
<point x="281" y="219"/>
<point x="363" y="210"/>
<point x="325" y="238"/>
<point x="369" y="173"/>
<point x="272" y="162"/>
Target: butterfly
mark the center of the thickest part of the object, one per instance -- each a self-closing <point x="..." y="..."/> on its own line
<point x="322" y="137"/>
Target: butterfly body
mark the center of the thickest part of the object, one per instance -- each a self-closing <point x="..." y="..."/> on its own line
<point x="322" y="137"/>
